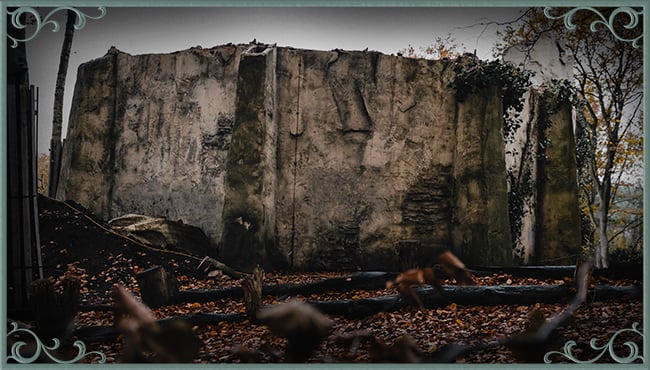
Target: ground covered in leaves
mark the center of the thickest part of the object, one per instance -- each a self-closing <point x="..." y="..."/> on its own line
<point x="73" y="240"/>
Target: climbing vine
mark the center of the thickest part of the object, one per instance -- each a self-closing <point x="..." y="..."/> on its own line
<point x="475" y="76"/>
<point x="556" y="94"/>
<point x="519" y="196"/>
<point x="522" y="185"/>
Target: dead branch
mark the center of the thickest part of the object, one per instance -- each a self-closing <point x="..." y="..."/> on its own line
<point x="531" y="344"/>
<point x="209" y="264"/>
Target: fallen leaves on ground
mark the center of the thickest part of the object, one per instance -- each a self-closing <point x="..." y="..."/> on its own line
<point x="100" y="259"/>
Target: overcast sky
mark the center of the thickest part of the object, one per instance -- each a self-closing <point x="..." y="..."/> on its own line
<point x="164" y="30"/>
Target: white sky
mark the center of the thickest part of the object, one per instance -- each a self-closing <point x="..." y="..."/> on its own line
<point x="164" y="30"/>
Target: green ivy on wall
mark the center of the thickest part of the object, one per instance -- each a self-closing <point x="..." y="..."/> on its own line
<point x="474" y="76"/>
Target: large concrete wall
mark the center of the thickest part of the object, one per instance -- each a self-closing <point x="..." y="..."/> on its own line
<point x="316" y="159"/>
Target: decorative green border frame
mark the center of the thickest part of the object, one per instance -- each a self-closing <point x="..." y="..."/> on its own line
<point x="625" y="7"/>
<point x="46" y="20"/>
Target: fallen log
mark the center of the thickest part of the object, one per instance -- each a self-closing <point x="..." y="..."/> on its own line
<point x="208" y="264"/>
<point x="535" y="341"/>
<point x="90" y="334"/>
<point x="377" y="280"/>
<point x="475" y="296"/>
<point x="361" y="281"/>
<point x="466" y="295"/>
<point x="615" y="271"/>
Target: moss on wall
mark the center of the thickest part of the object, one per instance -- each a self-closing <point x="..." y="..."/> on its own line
<point x="480" y="226"/>
<point x="558" y="239"/>
<point x="245" y="239"/>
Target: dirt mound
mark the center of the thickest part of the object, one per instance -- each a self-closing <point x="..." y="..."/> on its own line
<point x="72" y="238"/>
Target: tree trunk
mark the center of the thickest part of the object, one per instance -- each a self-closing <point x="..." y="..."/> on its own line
<point x="57" y="117"/>
<point x="600" y="257"/>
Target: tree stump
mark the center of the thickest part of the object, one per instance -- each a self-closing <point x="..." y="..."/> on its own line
<point x="409" y="254"/>
<point x="252" y="286"/>
<point x="157" y="287"/>
<point x="54" y="311"/>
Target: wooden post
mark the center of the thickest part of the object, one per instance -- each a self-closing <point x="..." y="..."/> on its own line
<point x="409" y="254"/>
<point x="252" y="286"/>
<point x="157" y="287"/>
<point x="23" y="247"/>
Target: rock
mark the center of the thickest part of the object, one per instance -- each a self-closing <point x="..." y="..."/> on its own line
<point x="163" y="233"/>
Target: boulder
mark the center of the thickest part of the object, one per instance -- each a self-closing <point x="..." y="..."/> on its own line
<point x="164" y="233"/>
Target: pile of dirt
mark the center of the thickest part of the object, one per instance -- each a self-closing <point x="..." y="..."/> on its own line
<point x="72" y="238"/>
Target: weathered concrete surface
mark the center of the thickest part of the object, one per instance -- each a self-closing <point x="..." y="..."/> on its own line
<point x="550" y="230"/>
<point x="150" y="134"/>
<point x="558" y="239"/>
<point x="367" y="141"/>
<point x="250" y="185"/>
<point x="87" y="162"/>
<point x="521" y="161"/>
<point x="481" y="228"/>
<point x="286" y="157"/>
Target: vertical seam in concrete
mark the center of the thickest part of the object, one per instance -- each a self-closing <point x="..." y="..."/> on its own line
<point x="295" y="165"/>
<point x="271" y="227"/>
<point x="113" y="133"/>
<point x="453" y="185"/>
<point x="274" y="145"/>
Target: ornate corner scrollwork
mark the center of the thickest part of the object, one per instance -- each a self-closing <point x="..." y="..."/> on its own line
<point x="47" y="350"/>
<point x="608" y="347"/>
<point x="17" y="22"/>
<point x="632" y="14"/>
